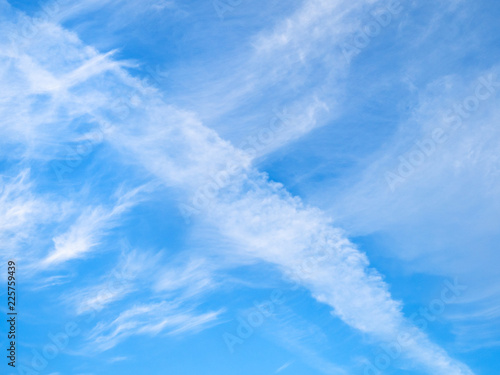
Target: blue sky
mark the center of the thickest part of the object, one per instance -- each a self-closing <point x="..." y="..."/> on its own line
<point x="252" y="187"/>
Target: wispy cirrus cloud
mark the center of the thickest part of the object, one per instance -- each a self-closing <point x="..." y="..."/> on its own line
<point x="22" y="212"/>
<point x="187" y="281"/>
<point x="88" y="229"/>
<point x="150" y="319"/>
<point x="263" y="220"/>
<point x="125" y="278"/>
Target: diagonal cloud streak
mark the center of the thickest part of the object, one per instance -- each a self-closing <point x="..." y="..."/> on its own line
<point x="265" y="222"/>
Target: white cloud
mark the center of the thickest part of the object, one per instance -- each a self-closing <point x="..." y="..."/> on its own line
<point x="89" y="228"/>
<point x="22" y="212"/>
<point x="284" y="367"/>
<point x="118" y="359"/>
<point x="271" y="225"/>
<point x="263" y="220"/>
<point x="283" y="59"/>
<point x="190" y="280"/>
<point x="150" y="319"/>
<point x="130" y="273"/>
